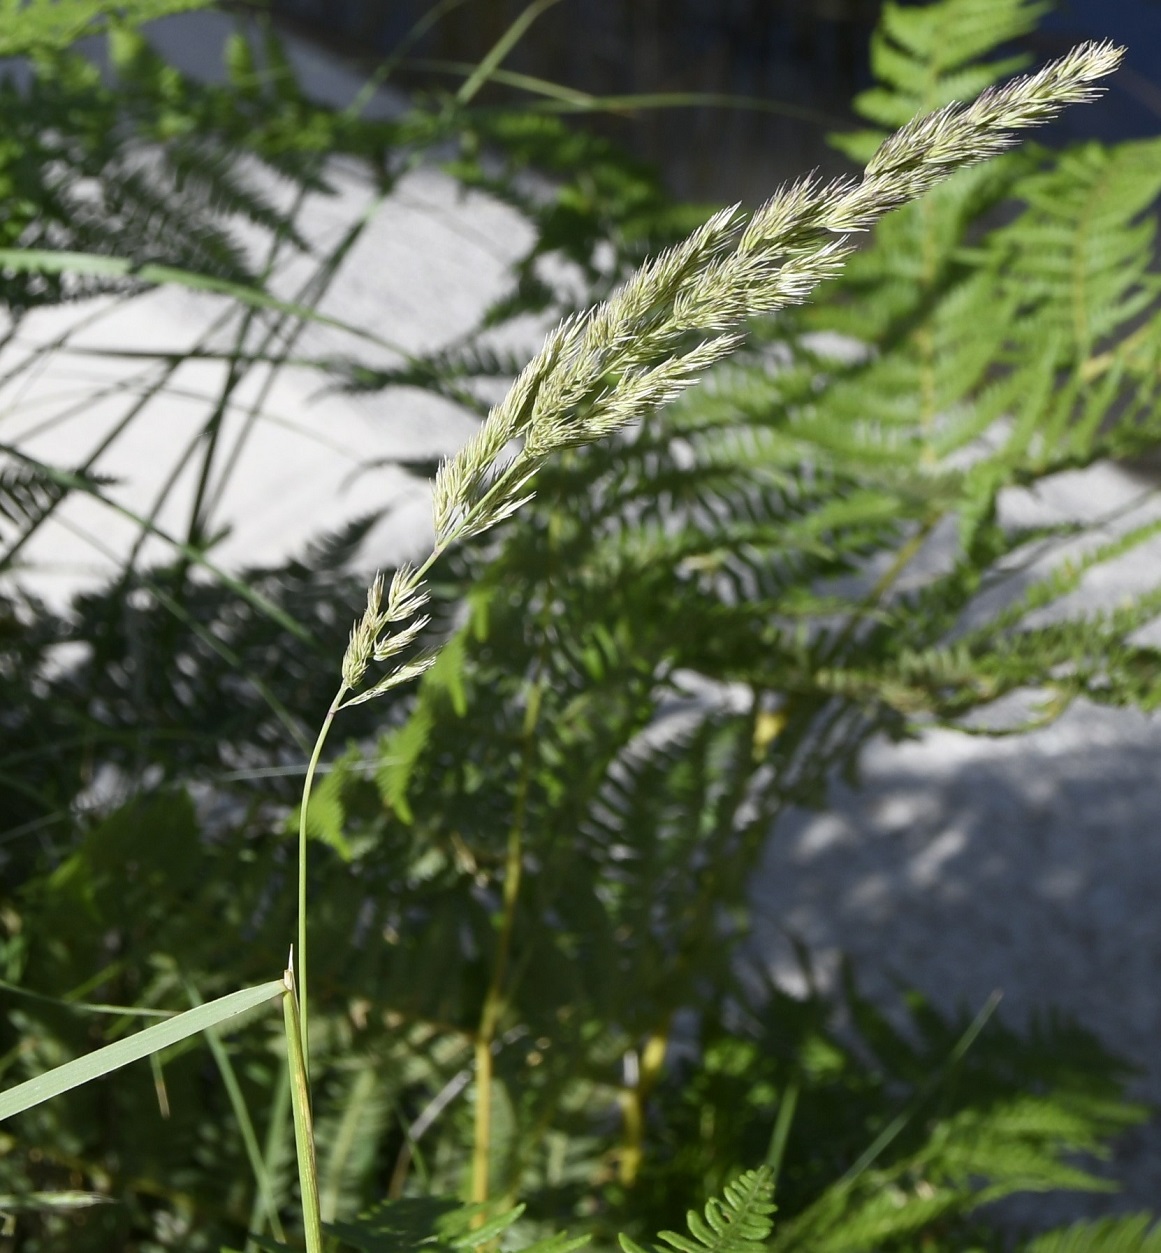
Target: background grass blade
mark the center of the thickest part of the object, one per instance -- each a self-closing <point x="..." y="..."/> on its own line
<point x="193" y="553"/>
<point x="113" y="1056"/>
<point x="49" y="261"/>
<point x="500" y="49"/>
<point x="262" y="1179"/>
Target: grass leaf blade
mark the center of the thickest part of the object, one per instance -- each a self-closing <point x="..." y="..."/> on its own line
<point x="92" y="265"/>
<point x="135" y="1047"/>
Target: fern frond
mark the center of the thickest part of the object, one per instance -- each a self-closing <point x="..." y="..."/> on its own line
<point x="925" y="56"/>
<point x="27" y="496"/>
<point x="1076" y="261"/>
<point x="737" y="1222"/>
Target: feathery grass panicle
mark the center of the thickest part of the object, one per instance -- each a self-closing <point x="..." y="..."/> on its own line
<point x="406" y="594"/>
<point x="364" y="634"/>
<point x="368" y="642"/>
<point x="685" y="310"/>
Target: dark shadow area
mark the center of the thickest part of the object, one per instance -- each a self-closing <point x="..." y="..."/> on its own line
<point x="965" y="865"/>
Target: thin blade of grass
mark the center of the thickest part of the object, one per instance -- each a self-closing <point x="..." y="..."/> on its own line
<point x="781" y="1133"/>
<point x="274" y="1153"/>
<point x="86" y="1007"/>
<point x="113" y="1056"/>
<point x="895" y="1127"/>
<point x="388" y="66"/>
<point x="160" y="1087"/>
<point x="560" y="98"/>
<point x="262" y="1180"/>
<point x="655" y="100"/>
<point x="195" y="555"/>
<point x="151" y="388"/>
<point x="50" y="261"/>
<point x="500" y="49"/>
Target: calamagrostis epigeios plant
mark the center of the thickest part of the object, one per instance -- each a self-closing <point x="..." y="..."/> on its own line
<point x="655" y="336"/>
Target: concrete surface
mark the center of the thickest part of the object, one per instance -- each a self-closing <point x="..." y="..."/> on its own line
<point x="293" y="460"/>
<point x="966" y="865"/>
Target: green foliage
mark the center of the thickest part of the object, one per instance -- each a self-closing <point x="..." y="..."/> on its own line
<point x="544" y="860"/>
<point x="924" y="56"/>
<point x="918" y="1113"/>
<point x="135" y="1048"/>
<point x="145" y="166"/>
<point x="31" y="26"/>
<point x="412" y="1223"/>
<point x="1134" y="1234"/>
<point x="739" y="1223"/>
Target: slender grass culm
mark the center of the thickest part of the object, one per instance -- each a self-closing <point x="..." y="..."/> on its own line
<point x="597" y="373"/>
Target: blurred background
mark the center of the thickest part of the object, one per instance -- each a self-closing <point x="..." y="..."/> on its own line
<point x="796" y="64"/>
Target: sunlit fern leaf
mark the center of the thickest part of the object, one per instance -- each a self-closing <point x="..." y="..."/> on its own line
<point x="1019" y="1145"/>
<point x="91" y="178"/>
<point x="924" y="56"/>
<point x="38" y="25"/>
<point x="561" y="1243"/>
<point x="841" y="1222"/>
<point x="1078" y="259"/>
<point x="147" y="164"/>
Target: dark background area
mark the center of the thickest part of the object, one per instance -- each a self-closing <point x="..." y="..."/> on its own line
<point x="799" y="62"/>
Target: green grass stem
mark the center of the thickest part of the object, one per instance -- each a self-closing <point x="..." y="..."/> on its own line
<point x="303" y="1122"/>
<point x="308" y="783"/>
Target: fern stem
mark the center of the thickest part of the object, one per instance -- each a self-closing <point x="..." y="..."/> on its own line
<point x="633" y="1100"/>
<point x="929" y="1085"/>
<point x="482" y="1127"/>
<point x="883" y="584"/>
<point x="308" y="783"/>
<point x="1102" y="362"/>
<point x="496" y="995"/>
